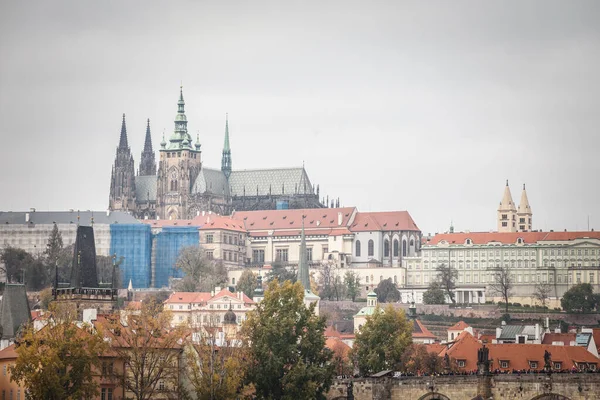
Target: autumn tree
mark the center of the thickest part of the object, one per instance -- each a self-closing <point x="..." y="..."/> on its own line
<point x="59" y="361"/>
<point x="216" y="368"/>
<point x="502" y="284"/>
<point x="286" y="344"/>
<point x="382" y="340"/>
<point x="541" y="292"/>
<point x="149" y="348"/>
<point x="579" y="299"/>
<point x="416" y="359"/>
<point x="387" y="292"/>
<point x="201" y="274"/>
<point x="447" y="276"/>
<point x="434" y="294"/>
<point x="352" y="282"/>
<point x="247" y="283"/>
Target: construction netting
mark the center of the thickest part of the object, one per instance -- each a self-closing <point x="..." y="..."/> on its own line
<point x="132" y="243"/>
<point x="166" y="247"/>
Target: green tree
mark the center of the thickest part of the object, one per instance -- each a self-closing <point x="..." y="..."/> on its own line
<point x="15" y="262"/>
<point x="281" y="272"/>
<point x="382" y="340"/>
<point x="579" y="299"/>
<point x="200" y="273"/>
<point x="53" y="248"/>
<point x="330" y="283"/>
<point x="447" y="276"/>
<point x="434" y="294"/>
<point x="352" y="282"/>
<point x="247" y="283"/>
<point x="286" y="344"/>
<point x="58" y="361"/>
<point x="387" y="292"/>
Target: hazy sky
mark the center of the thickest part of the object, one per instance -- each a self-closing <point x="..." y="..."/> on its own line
<point x="421" y="106"/>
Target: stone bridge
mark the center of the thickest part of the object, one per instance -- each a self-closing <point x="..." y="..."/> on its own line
<point x="578" y="386"/>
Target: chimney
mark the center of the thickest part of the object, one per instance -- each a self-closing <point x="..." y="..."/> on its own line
<point x="498" y="332"/>
<point x="340" y="218"/>
<point x="26" y="217"/>
<point x="203" y="212"/>
<point x="217" y="289"/>
<point x="537" y="332"/>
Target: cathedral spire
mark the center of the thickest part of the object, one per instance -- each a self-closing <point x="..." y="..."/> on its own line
<point x="507" y="201"/>
<point x="226" y="158"/>
<point x="303" y="276"/>
<point x="180" y="139"/>
<point x="148" y="161"/>
<point x="524" y="214"/>
<point x="123" y="139"/>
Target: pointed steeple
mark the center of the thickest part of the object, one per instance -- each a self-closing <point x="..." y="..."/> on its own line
<point x="180" y="137"/>
<point x="148" y="160"/>
<point x="123" y="139"/>
<point x="507" y="203"/>
<point x="303" y="276"/>
<point x="226" y="157"/>
<point x="524" y="203"/>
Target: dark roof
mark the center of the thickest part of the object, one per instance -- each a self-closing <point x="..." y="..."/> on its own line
<point x="145" y="188"/>
<point x="230" y="318"/>
<point x="277" y="181"/>
<point x="14" y="310"/>
<point x="84" y="273"/>
<point x="66" y="217"/>
<point x="211" y="181"/>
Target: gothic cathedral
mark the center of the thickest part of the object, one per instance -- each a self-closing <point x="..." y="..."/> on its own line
<point x="182" y="187"/>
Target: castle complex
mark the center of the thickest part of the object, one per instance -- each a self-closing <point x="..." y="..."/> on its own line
<point x="182" y="187"/>
<point x="512" y="219"/>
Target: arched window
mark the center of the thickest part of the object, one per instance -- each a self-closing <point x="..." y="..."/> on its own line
<point x="357" y="250"/>
<point x="173" y="186"/>
<point x="371" y="248"/>
<point x="395" y="279"/>
<point x="386" y="248"/>
<point x="412" y="242"/>
<point x="403" y="248"/>
<point x="396" y="247"/>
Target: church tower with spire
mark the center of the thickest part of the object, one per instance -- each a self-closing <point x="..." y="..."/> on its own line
<point x="524" y="213"/>
<point x="122" y="182"/>
<point x="178" y="168"/>
<point x="304" y="275"/>
<point x="226" y="157"/>
<point x="147" y="162"/>
<point x="507" y="212"/>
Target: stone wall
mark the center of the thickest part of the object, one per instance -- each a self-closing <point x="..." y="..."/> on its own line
<point x="526" y="387"/>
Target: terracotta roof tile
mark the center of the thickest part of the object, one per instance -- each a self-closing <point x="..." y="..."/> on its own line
<point x="8" y="353"/>
<point x="566" y="338"/>
<point x="285" y="219"/>
<point x="383" y="221"/>
<point x="509" y="237"/>
<point x="459" y="326"/>
<point x="421" y="331"/>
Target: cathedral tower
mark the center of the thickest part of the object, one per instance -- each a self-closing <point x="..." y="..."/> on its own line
<point x="147" y="162"/>
<point x="507" y="213"/>
<point x="122" y="182"/>
<point x="226" y="158"/>
<point x="178" y="168"/>
<point x="524" y="214"/>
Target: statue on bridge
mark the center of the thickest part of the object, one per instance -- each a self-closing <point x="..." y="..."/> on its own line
<point x="483" y="360"/>
<point x="547" y="361"/>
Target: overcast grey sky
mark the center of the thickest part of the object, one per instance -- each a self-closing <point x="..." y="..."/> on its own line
<point x="424" y="106"/>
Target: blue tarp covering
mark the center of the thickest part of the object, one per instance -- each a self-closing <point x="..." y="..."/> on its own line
<point x="169" y="243"/>
<point x="133" y="243"/>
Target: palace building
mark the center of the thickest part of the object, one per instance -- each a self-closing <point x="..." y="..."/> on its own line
<point x="182" y="187"/>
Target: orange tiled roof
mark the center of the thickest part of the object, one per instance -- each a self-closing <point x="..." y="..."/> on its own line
<point x="337" y="346"/>
<point x="227" y="293"/>
<point x="459" y="326"/>
<point x="518" y="356"/>
<point x="203" y="222"/>
<point x="188" y="297"/>
<point x="308" y="232"/>
<point x="435" y="348"/>
<point x="8" y="353"/>
<point x="421" y="331"/>
<point x="286" y="219"/>
<point x="383" y="221"/>
<point x="509" y="237"/>
<point x="596" y="336"/>
<point x="566" y="338"/>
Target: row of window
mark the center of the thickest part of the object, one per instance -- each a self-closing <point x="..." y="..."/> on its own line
<point x="177" y="154"/>
<point x="519" y="252"/>
<point x="227" y="239"/>
<point x="386" y="248"/>
<point x="11" y="394"/>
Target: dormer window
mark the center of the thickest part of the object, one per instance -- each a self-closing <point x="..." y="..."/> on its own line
<point x="503" y="364"/>
<point x="520" y="241"/>
<point x="557" y="365"/>
<point x="533" y="364"/>
<point x="461" y="363"/>
<point x="468" y="241"/>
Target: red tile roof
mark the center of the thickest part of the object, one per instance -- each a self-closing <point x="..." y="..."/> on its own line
<point x="286" y="219"/>
<point x="596" y="336"/>
<point x="509" y="237"/>
<point x="518" y="355"/>
<point x="202" y="297"/>
<point x="203" y="222"/>
<point x="308" y="232"/>
<point x="435" y="348"/>
<point x="383" y="221"/>
<point x="421" y="331"/>
<point x="566" y="338"/>
<point x="459" y="326"/>
<point x="8" y="353"/>
<point x="227" y="293"/>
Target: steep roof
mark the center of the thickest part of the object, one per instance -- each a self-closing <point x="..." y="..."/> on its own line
<point x="212" y="181"/>
<point x="214" y="221"/>
<point x="14" y="310"/>
<point x="421" y="331"/>
<point x="383" y="221"/>
<point x="67" y="217"/>
<point x="459" y="326"/>
<point x="203" y="297"/>
<point x="524" y="207"/>
<point x="507" y="203"/>
<point x="276" y="181"/>
<point x="316" y="218"/>
<point x="8" y="353"/>
<point x="509" y="237"/>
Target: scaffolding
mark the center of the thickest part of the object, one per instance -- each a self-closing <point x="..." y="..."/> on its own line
<point x="132" y="242"/>
<point x="168" y="243"/>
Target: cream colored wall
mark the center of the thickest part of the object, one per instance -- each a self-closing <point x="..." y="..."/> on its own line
<point x="6" y="385"/>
